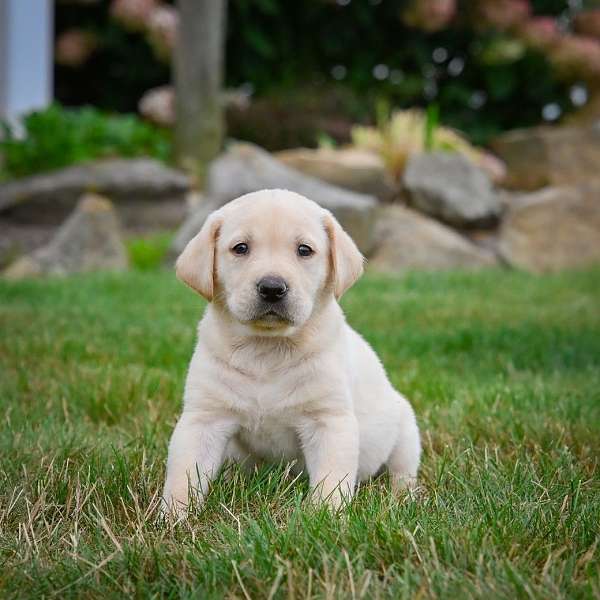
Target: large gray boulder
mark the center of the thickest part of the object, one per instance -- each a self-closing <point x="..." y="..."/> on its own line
<point x="247" y="168"/>
<point x="410" y="240"/>
<point x="351" y="168"/>
<point x="89" y="240"/>
<point x="553" y="229"/>
<point x="17" y="239"/>
<point x="51" y="196"/>
<point x="549" y="156"/>
<point x="450" y="188"/>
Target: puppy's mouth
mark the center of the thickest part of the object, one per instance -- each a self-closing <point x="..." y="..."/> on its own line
<point x="270" y="317"/>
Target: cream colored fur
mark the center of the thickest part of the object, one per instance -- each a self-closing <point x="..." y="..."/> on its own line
<point x="306" y="388"/>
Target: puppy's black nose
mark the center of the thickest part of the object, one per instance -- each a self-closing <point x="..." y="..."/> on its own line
<point x="271" y="288"/>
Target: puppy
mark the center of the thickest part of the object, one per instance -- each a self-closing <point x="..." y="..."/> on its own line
<point x="277" y="373"/>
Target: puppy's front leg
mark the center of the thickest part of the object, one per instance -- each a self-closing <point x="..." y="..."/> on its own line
<point x="196" y="453"/>
<point x="330" y="445"/>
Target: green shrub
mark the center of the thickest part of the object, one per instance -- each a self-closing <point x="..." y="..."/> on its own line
<point x="58" y="137"/>
<point x="148" y="253"/>
<point x="482" y="76"/>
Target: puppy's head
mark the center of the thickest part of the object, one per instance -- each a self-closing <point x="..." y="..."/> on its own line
<point x="269" y="258"/>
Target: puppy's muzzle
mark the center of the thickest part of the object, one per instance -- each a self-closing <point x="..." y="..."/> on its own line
<point x="272" y="288"/>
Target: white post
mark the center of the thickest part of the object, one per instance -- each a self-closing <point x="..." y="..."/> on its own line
<point x="26" y="57"/>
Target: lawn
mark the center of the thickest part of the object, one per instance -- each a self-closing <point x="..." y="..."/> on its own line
<point x="503" y="370"/>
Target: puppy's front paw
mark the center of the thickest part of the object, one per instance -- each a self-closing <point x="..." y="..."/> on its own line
<point x="405" y="484"/>
<point x="335" y="498"/>
<point x="402" y="483"/>
<point x="176" y="501"/>
<point x="172" y="509"/>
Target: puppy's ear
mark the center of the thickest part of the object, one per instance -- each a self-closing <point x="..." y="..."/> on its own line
<point x="346" y="260"/>
<point x="196" y="264"/>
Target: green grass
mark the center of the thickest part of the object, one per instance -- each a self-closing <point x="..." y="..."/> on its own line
<point x="503" y="371"/>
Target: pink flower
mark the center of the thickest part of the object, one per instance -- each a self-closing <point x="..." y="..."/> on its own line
<point x="158" y="106"/>
<point x="74" y="47"/>
<point x="430" y="15"/>
<point x="540" y="32"/>
<point x="588" y="23"/>
<point x="576" y="57"/>
<point x="162" y="30"/>
<point x="133" y="14"/>
<point x="502" y="15"/>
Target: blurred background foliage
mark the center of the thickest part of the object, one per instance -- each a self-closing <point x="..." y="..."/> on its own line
<point x="58" y="137"/>
<point x="490" y="65"/>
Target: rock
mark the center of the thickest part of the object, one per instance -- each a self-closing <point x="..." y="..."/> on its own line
<point x="549" y="156"/>
<point x="89" y="240"/>
<point x="494" y="167"/>
<point x="192" y="225"/>
<point x="17" y="239"/>
<point x="247" y="168"/>
<point x="485" y="239"/>
<point x="350" y="168"/>
<point x="553" y="229"/>
<point x="449" y="187"/>
<point x="53" y="195"/>
<point x="410" y="240"/>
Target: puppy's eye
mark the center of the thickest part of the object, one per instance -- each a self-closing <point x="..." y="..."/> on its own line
<point x="240" y="249"/>
<point x="304" y="250"/>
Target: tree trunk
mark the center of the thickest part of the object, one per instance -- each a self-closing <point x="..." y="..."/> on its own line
<point x="198" y="79"/>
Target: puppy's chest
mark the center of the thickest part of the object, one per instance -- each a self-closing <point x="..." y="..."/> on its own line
<point x="269" y="391"/>
<point x="270" y="437"/>
<point x="269" y="401"/>
<point x="270" y="412"/>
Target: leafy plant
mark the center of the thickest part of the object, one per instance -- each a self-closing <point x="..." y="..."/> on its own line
<point x="408" y="132"/>
<point x="58" y="137"/>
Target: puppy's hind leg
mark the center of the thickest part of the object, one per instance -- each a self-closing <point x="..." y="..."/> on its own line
<point x="404" y="459"/>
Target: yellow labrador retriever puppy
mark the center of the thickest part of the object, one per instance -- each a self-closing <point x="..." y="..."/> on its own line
<point x="277" y="373"/>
